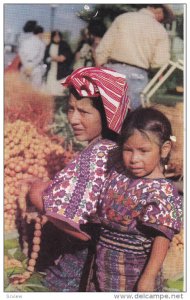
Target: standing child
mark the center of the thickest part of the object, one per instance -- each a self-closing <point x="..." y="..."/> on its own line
<point x="140" y="210"/>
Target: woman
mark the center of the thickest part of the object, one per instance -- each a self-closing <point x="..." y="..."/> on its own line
<point x="97" y="107"/>
<point x="58" y="58"/>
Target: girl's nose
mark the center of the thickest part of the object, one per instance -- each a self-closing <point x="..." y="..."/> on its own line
<point x="134" y="157"/>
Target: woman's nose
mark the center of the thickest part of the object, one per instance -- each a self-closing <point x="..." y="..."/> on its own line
<point x="74" y="118"/>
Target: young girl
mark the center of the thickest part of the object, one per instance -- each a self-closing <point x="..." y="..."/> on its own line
<point x="139" y="209"/>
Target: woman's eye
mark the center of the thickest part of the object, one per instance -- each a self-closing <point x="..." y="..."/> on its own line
<point x="83" y="112"/>
<point x="70" y="109"/>
<point x="127" y="150"/>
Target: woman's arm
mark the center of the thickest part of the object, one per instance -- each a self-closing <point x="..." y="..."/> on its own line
<point x="159" y="250"/>
<point x="36" y="192"/>
<point x="68" y="229"/>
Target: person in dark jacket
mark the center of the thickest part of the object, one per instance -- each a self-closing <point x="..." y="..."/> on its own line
<point x="58" y="58"/>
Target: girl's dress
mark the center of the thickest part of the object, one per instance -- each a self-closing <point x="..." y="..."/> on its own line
<point x="132" y="212"/>
<point x="73" y="197"/>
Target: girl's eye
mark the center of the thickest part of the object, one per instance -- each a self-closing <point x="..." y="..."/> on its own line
<point x="144" y="150"/>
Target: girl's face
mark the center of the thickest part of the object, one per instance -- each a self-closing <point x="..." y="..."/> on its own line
<point x="84" y="119"/>
<point x="142" y="154"/>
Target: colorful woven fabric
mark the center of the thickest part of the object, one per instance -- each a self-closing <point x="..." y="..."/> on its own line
<point x="132" y="211"/>
<point x="128" y="202"/>
<point x="104" y="82"/>
<point x="120" y="271"/>
<point x="66" y="275"/>
<point x="73" y="195"/>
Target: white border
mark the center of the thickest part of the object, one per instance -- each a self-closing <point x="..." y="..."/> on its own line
<point x="78" y="296"/>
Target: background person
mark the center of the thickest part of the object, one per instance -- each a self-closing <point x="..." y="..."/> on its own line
<point x="31" y="54"/>
<point x="58" y="58"/>
<point x="135" y="43"/>
<point x="28" y="28"/>
<point x="84" y="55"/>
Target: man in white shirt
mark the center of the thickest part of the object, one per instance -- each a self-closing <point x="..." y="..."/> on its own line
<point x="134" y="43"/>
<point x="31" y="55"/>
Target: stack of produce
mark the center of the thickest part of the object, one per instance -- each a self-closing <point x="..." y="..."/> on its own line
<point x="23" y="102"/>
<point x="175" y="115"/>
<point x="29" y="151"/>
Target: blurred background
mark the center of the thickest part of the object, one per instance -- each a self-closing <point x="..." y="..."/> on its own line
<point x="70" y="19"/>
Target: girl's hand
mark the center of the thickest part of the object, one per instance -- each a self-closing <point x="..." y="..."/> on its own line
<point x="146" y="284"/>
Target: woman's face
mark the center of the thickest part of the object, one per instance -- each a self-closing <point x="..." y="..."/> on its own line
<point x="84" y="119"/>
<point x="141" y="155"/>
<point x="56" y="38"/>
<point x="159" y="14"/>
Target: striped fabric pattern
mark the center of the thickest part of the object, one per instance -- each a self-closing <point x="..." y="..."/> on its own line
<point x="104" y="82"/>
<point x="124" y="242"/>
<point x="120" y="271"/>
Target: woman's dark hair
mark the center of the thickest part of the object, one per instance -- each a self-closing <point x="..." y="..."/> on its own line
<point x="55" y="32"/>
<point x="97" y="103"/>
<point x="29" y="26"/>
<point x="38" y="29"/>
<point x="146" y="119"/>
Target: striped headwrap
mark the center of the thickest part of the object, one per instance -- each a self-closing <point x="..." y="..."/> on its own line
<point x="104" y="82"/>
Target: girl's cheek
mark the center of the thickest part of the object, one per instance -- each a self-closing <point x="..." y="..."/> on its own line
<point x="126" y="158"/>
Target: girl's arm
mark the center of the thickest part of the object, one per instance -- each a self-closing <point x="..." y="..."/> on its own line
<point x="159" y="250"/>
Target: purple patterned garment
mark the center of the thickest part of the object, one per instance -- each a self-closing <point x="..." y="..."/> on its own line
<point x="132" y="211"/>
<point x="74" y="192"/>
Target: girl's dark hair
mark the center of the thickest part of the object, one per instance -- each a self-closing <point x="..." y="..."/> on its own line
<point x="143" y="120"/>
<point x="55" y="32"/>
<point x="146" y="119"/>
<point x="98" y="104"/>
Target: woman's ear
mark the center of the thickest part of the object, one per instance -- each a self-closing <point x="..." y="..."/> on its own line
<point x="166" y="148"/>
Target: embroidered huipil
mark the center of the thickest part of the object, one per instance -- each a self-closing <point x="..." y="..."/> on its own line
<point x="74" y="192"/>
<point x="132" y="212"/>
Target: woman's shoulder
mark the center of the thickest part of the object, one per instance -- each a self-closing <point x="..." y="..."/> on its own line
<point x="102" y="150"/>
<point x="101" y="144"/>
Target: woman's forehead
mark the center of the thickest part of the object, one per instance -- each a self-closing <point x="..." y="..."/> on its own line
<point x="81" y="102"/>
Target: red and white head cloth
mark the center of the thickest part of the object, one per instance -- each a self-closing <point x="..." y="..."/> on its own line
<point x="104" y="82"/>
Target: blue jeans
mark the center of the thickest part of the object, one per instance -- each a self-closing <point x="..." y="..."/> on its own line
<point x="136" y="78"/>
